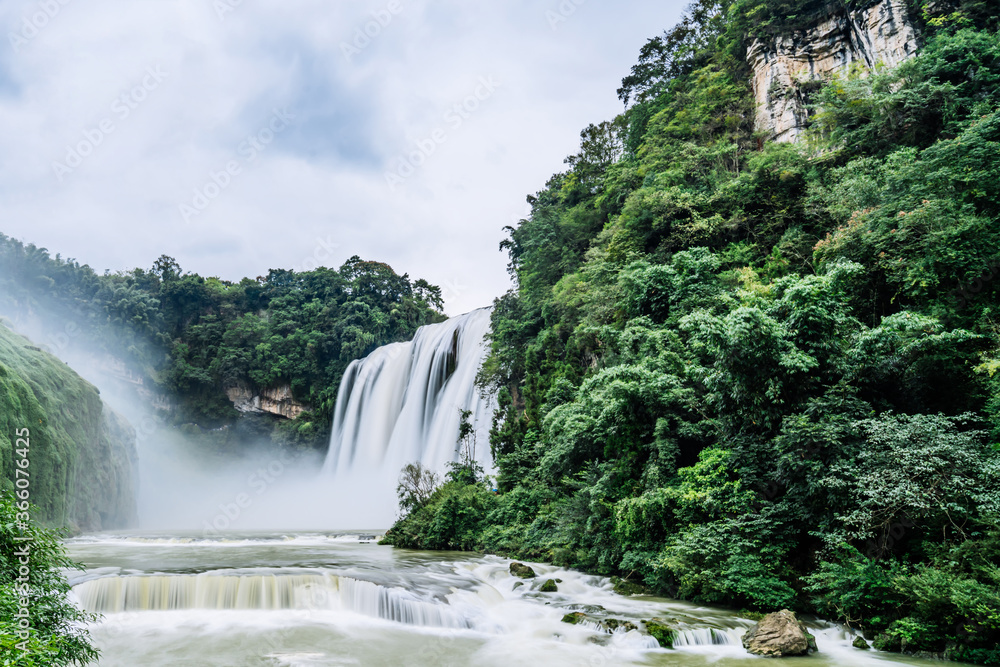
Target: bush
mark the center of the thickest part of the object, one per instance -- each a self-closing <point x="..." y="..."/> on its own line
<point x="55" y="635"/>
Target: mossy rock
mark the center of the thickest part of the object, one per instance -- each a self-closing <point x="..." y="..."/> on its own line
<point x="521" y="570"/>
<point x="662" y="633"/>
<point x="574" y="618"/>
<point x="625" y="587"/>
<point x="613" y="624"/>
<point x="548" y="587"/>
<point x="859" y="642"/>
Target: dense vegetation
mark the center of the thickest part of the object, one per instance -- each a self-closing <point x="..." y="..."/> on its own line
<point x="82" y="453"/>
<point x="762" y="374"/>
<point x="190" y="338"/>
<point x="55" y="635"/>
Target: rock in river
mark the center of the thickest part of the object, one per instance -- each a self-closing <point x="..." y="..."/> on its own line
<point x="521" y="570"/>
<point x="777" y="635"/>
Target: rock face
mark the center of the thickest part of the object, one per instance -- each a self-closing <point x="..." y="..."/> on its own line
<point x="880" y="33"/>
<point x="82" y="454"/>
<point x="105" y="478"/>
<point x="778" y="635"/>
<point x="521" y="570"/>
<point x="275" y="401"/>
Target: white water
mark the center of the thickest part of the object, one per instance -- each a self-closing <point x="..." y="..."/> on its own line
<point x="317" y="599"/>
<point x="401" y="403"/>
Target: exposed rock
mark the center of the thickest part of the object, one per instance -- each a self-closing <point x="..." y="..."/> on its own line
<point x="777" y="635"/>
<point x="787" y="66"/>
<point x="625" y="587"/>
<point x="613" y="624"/>
<point x="275" y="401"/>
<point x="859" y="642"/>
<point x="521" y="570"/>
<point x="548" y="587"/>
<point x="574" y="618"/>
<point x="661" y="632"/>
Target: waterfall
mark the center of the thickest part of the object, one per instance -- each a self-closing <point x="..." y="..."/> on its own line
<point x="264" y="592"/>
<point x="401" y="403"/>
<point x="709" y="637"/>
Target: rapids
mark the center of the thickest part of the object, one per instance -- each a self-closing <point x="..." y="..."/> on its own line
<point x="311" y="599"/>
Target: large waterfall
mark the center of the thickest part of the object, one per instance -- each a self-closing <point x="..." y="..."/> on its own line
<point x="402" y="403"/>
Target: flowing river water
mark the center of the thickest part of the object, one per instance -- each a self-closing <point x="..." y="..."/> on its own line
<point x="311" y="599"/>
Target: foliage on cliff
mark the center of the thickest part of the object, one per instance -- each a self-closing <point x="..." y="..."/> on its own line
<point x="763" y="374"/>
<point x="193" y="337"/>
<point x="39" y="626"/>
<point x="80" y="470"/>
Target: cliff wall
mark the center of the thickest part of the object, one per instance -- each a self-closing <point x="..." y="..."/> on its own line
<point x="785" y="68"/>
<point x="82" y="455"/>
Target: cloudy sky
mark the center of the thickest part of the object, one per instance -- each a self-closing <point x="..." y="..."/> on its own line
<point x="243" y="135"/>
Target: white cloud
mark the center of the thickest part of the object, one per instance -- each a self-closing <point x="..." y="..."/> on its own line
<point x="322" y="181"/>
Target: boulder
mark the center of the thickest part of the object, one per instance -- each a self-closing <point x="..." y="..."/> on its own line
<point x="859" y="642"/>
<point x="574" y="618"/>
<point x="613" y="624"/>
<point x="521" y="570"/>
<point x="778" y="635"/>
<point x="625" y="587"/>
<point x="548" y="587"/>
<point x="661" y="632"/>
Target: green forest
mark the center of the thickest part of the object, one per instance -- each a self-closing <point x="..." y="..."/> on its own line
<point x="192" y="337"/>
<point x="761" y="374"/>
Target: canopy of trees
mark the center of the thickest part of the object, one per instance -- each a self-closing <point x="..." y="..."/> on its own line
<point x="193" y="337"/>
<point x="763" y="374"/>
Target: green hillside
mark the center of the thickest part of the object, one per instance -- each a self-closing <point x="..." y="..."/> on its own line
<point x="763" y="374"/>
<point x="82" y="454"/>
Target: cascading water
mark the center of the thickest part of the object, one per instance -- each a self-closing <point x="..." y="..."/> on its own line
<point x="305" y="599"/>
<point x="402" y="402"/>
<point x="333" y="600"/>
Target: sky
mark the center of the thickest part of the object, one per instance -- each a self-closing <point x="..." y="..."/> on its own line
<point x="242" y="135"/>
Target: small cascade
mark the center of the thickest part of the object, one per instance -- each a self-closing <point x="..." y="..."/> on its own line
<point x="709" y="637"/>
<point x="402" y="403"/>
<point x="263" y="592"/>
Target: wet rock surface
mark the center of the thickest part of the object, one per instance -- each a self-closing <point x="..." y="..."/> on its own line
<point x="779" y="635"/>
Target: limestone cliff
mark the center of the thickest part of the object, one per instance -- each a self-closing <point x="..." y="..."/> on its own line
<point x="786" y="67"/>
<point x="275" y="401"/>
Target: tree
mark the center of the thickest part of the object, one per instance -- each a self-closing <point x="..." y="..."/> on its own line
<point x="466" y="470"/>
<point x="52" y="634"/>
<point x="416" y="484"/>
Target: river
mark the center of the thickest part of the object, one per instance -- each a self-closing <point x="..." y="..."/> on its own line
<point x="312" y="599"/>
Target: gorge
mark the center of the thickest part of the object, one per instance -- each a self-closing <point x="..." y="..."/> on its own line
<point x="730" y="377"/>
